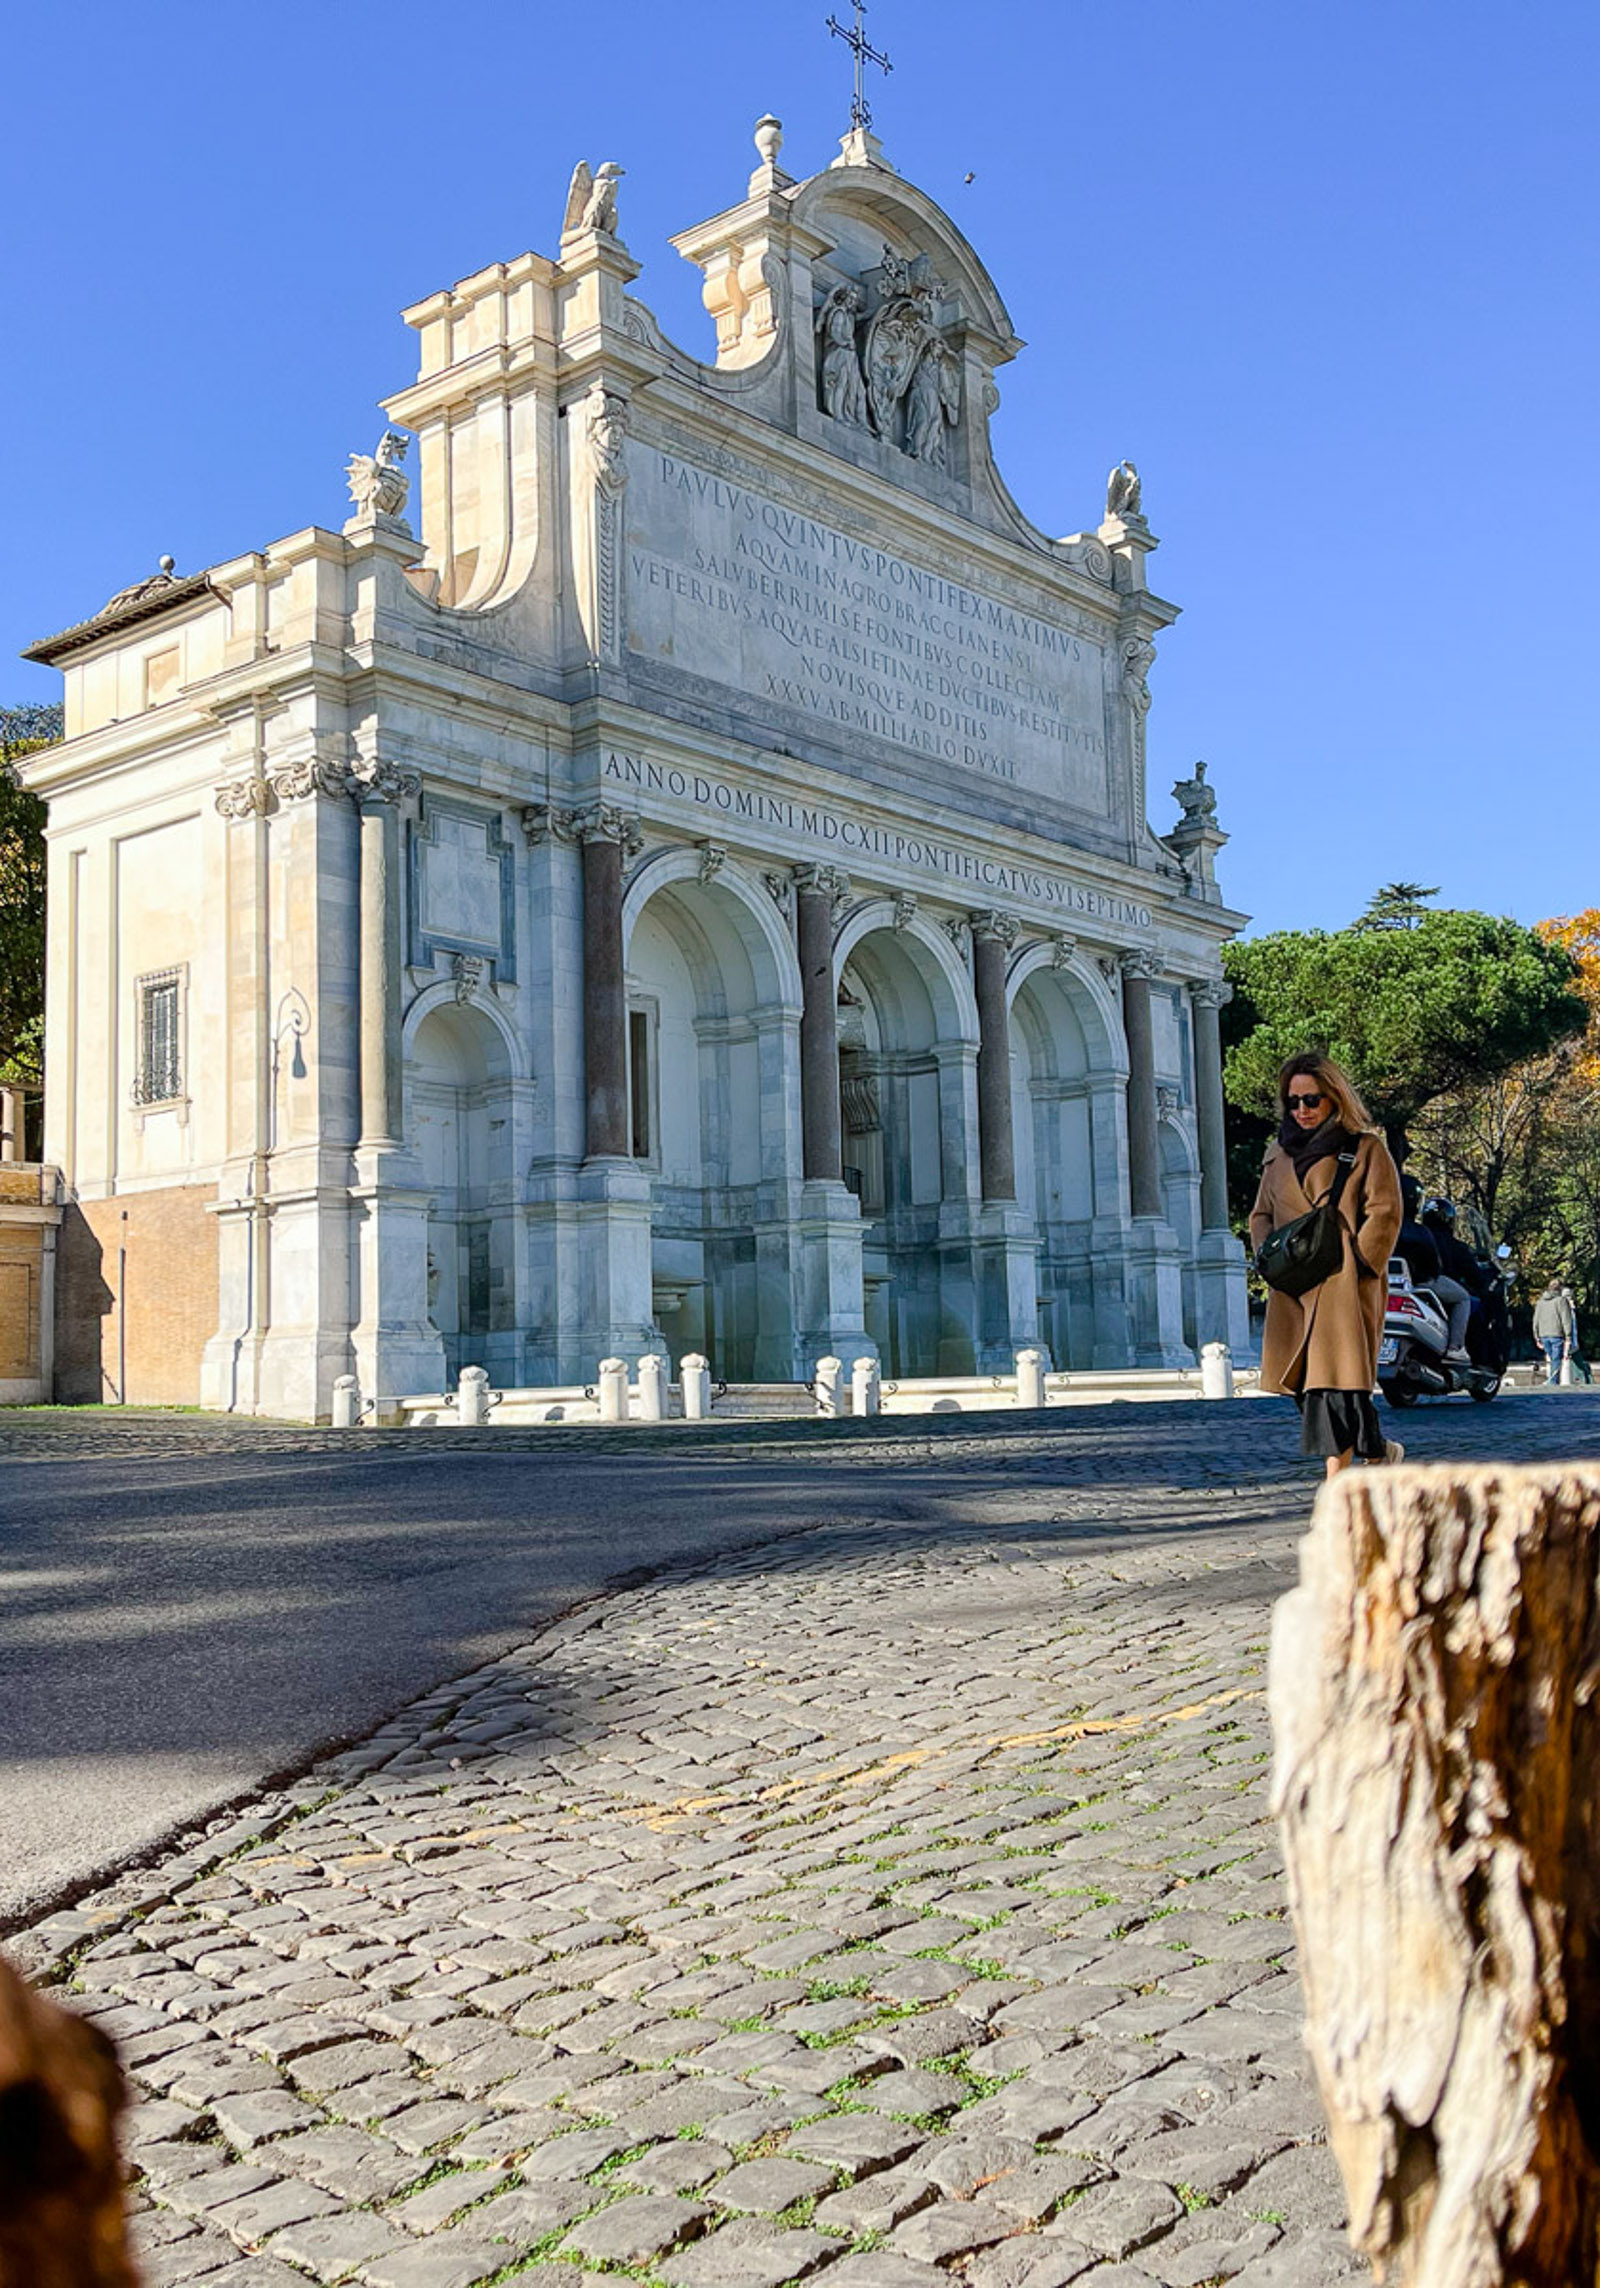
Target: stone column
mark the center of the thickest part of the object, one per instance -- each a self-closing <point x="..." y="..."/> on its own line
<point x="603" y="832"/>
<point x="816" y="890"/>
<point x="1207" y="999"/>
<point x="1144" y="1158"/>
<point x="377" y="794"/>
<point x="10" y="1124"/>
<point x="993" y="935"/>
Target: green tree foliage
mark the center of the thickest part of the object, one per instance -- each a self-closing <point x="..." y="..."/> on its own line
<point x="1446" y="1001"/>
<point x="22" y="877"/>
<point x="1397" y="905"/>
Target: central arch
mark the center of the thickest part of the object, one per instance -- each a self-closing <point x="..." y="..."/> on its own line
<point x="713" y="994"/>
<point x="908" y="1037"/>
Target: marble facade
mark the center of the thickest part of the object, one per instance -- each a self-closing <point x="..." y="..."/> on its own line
<point x="693" y="891"/>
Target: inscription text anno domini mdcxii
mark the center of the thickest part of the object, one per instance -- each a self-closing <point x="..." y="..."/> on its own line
<point x="737" y="588"/>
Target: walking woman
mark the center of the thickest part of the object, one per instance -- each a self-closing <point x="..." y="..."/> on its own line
<point x="1321" y="1348"/>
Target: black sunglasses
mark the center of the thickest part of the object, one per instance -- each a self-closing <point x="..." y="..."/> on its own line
<point x="1310" y="1102"/>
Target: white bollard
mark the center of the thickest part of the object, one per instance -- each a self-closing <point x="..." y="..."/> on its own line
<point x="613" y="1380"/>
<point x="864" y="1381"/>
<point x="652" y="1387"/>
<point x="1216" y="1371"/>
<point x="830" y="1373"/>
<point x="346" y="1402"/>
<point x="1030" y="1378"/>
<point x="1564" y="1379"/>
<point x="472" y="1397"/>
<point x="694" y="1373"/>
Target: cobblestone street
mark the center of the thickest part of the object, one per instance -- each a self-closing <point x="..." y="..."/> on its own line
<point x="895" y="1901"/>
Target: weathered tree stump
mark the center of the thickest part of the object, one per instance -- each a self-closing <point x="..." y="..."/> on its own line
<point x="1433" y="1690"/>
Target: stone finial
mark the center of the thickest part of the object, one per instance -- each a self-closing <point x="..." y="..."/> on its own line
<point x="1195" y="799"/>
<point x="769" y="139"/>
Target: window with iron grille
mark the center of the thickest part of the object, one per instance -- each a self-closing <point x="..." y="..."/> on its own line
<point x="160" y="1075"/>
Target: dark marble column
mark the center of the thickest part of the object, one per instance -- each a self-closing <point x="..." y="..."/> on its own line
<point x="816" y="888"/>
<point x="379" y="789"/>
<point x="1144" y="1157"/>
<point x="1208" y="998"/>
<point x="993" y="935"/>
<point x="603" y="833"/>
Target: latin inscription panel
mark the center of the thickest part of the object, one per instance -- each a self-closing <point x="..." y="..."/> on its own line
<point x="737" y="588"/>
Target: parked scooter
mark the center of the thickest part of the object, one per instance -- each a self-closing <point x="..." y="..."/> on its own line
<point x="1412" y="1355"/>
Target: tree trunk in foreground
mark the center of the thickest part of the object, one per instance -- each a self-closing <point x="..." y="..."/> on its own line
<point x="1437" y="1778"/>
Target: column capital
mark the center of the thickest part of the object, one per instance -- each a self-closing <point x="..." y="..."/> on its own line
<point x="989" y="923"/>
<point x="830" y="882"/>
<point x="246" y="798"/>
<point x="1139" y="962"/>
<point x="371" y="781"/>
<point x="312" y="776"/>
<point x="604" y="822"/>
<point x="1210" y="992"/>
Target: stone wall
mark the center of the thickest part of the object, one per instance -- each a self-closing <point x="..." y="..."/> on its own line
<point x="167" y="1282"/>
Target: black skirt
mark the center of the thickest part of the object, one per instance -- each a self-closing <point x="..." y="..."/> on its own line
<point x="1339" y="1422"/>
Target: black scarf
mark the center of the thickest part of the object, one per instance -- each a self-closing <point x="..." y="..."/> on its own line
<point x="1306" y="1147"/>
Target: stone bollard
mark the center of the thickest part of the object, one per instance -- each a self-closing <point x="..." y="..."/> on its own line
<point x="1030" y="1378"/>
<point x="1216" y="1371"/>
<point x="830" y="1373"/>
<point x="694" y="1373"/>
<point x="346" y="1402"/>
<point x="652" y="1387"/>
<point x="613" y="1382"/>
<point x="472" y="1397"/>
<point x="864" y="1386"/>
<point x="1437" y="1782"/>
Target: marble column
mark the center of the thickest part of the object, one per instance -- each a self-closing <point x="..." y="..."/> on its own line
<point x="1222" y="1303"/>
<point x="605" y="1014"/>
<point x="376" y="798"/>
<point x="993" y="935"/>
<point x="1144" y="1158"/>
<point x="1207" y="998"/>
<point x="816" y="888"/>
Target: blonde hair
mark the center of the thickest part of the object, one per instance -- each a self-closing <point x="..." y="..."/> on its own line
<point x="1334" y="1083"/>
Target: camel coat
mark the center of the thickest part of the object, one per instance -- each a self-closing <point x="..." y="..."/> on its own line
<point x="1327" y="1339"/>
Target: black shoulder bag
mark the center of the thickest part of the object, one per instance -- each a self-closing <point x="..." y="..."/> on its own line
<point x="1300" y="1255"/>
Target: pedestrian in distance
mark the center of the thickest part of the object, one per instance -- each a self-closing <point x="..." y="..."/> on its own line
<point x="1321" y="1347"/>
<point x="1579" y="1364"/>
<point x="1553" y="1329"/>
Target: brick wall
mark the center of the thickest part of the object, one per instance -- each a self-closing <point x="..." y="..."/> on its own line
<point x="168" y="1288"/>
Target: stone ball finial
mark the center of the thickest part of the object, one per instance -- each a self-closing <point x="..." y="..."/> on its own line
<point x="169" y="565"/>
<point x="769" y="139"/>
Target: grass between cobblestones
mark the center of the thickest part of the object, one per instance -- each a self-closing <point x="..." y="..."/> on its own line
<point x="991" y="1802"/>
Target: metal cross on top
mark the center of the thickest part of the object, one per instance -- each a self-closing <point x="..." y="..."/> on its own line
<point x="855" y="38"/>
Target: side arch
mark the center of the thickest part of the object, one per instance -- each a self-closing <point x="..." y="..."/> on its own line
<point x="940" y="966"/>
<point x="738" y="899"/>
<point x="444" y="995"/>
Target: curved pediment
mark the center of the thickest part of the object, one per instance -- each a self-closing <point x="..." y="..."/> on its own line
<point x="860" y="212"/>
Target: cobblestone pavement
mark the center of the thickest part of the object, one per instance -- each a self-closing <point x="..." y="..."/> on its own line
<point x="895" y="1903"/>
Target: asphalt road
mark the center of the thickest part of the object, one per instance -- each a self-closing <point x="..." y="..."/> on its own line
<point x="176" y="1628"/>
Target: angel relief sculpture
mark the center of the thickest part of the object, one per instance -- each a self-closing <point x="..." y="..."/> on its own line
<point x="903" y="381"/>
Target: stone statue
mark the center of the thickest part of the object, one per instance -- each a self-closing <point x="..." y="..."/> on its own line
<point x="606" y="431"/>
<point x="894" y="339"/>
<point x="933" y="404"/>
<point x="378" y="484"/>
<point x="592" y="199"/>
<point x="1197" y="801"/>
<point x="1123" y="491"/>
<point x="1138" y="657"/>
<point x="844" y="392"/>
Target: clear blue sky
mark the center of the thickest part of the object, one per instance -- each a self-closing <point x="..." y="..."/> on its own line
<point x="1328" y="275"/>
